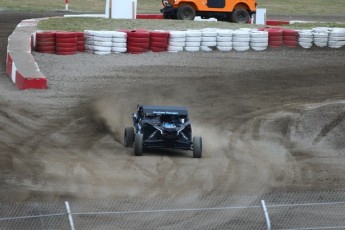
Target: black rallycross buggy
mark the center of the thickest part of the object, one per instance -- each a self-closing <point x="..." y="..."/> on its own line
<point x="162" y="127"/>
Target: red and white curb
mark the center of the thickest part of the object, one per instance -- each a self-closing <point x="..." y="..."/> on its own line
<point x="21" y="66"/>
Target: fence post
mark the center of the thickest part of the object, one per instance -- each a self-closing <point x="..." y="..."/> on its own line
<point x="267" y="217"/>
<point x="69" y="215"/>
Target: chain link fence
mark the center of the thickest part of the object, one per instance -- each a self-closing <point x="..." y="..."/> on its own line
<point x="308" y="210"/>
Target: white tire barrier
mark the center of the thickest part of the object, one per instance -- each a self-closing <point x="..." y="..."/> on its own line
<point x="209" y="39"/>
<point x="192" y="49"/>
<point x="306" y="38"/>
<point x="177" y="41"/>
<point x="224" y="40"/>
<point x="119" y="42"/>
<point x="206" y="48"/>
<point x="240" y="40"/>
<point x="336" y="38"/>
<point x="193" y="46"/>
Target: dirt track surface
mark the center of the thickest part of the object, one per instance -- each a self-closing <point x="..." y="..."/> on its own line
<point x="270" y="121"/>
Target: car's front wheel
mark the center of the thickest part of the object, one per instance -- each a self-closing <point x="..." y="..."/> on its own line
<point x="240" y="15"/>
<point x="197" y="147"/>
<point x="128" y="137"/>
<point x="186" y="12"/>
<point x="138" y="145"/>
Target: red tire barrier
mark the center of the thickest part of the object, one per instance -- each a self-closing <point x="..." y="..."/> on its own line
<point x="45" y="42"/>
<point x="45" y="35"/>
<point x="139" y="45"/>
<point x="291" y="44"/>
<point x="138" y="40"/>
<point x="138" y="34"/>
<point x="66" y="35"/>
<point x="155" y="49"/>
<point x="158" y="34"/>
<point x="158" y="45"/>
<point x="159" y="41"/>
<point x="275" y="38"/>
<point x="43" y="39"/>
<point x="290" y="38"/>
<point x="66" y="45"/>
<point x="66" y="40"/>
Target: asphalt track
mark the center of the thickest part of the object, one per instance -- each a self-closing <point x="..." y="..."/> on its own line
<point x="271" y="121"/>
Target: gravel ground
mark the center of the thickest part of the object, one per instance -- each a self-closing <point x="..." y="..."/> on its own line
<point x="270" y="121"/>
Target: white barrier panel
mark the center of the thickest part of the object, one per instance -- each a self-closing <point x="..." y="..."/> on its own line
<point x="260" y="17"/>
<point x="124" y="9"/>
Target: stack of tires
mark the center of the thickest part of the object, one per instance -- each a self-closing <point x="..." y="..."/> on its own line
<point x="80" y="42"/>
<point x="275" y="38"/>
<point x="102" y="42"/>
<point x="119" y="42"/>
<point x="45" y="42"/>
<point x="88" y="40"/>
<point x="241" y="40"/>
<point x="193" y="40"/>
<point x="159" y="41"/>
<point x="336" y="38"/>
<point x="177" y="41"/>
<point x="138" y="41"/>
<point x="320" y="36"/>
<point x="66" y="43"/>
<point x="224" y="40"/>
<point x="259" y="40"/>
<point x="208" y="40"/>
<point x="306" y="38"/>
<point x="290" y="38"/>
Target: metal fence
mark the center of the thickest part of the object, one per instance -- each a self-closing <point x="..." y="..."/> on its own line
<point x="308" y="210"/>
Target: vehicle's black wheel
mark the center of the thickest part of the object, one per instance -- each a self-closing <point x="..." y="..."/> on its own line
<point x="128" y="137"/>
<point x="240" y="15"/>
<point x="186" y="12"/>
<point x="197" y="147"/>
<point x="138" y="145"/>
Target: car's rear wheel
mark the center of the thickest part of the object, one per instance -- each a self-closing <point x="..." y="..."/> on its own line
<point x="240" y="15"/>
<point x="197" y="147"/>
<point x="138" y="145"/>
<point x="186" y="12"/>
<point x="129" y="137"/>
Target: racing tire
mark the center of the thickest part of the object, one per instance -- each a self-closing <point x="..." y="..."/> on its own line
<point x="66" y="45"/>
<point x="240" y="15"/>
<point x="197" y="147"/>
<point x="138" y="40"/>
<point x="44" y="44"/>
<point x="119" y="44"/>
<point x="128" y="138"/>
<point x="138" y="34"/>
<point x="186" y="12"/>
<point x="66" y="35"/>
<point x="52" y="39"/>
<point x="138" y="145"/>
<point x="158" y="44"/>
<point x="67" y="40"/>
<point x="157" y="34"/>
<point x="158" y="39"/>
<point x="119" y="40"/>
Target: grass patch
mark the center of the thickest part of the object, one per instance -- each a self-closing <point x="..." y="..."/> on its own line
<point x="278" y="7"/>
<point x="81" y="24"/>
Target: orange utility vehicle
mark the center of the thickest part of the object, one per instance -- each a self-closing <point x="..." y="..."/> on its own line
<point x="239" y="11"/>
